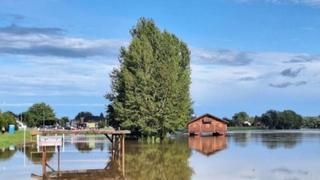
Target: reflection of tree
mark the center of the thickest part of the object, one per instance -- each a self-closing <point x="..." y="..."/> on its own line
<point x="277" y="140"/>
<point x="84" y="143"/>
<point x="240" y="139"/>
<point x="88" y="143"/>
<point x="83" y="146"/>
<point x="6" y="153"/>
<point x="157" y="161"/>
<point x="35" y="156"/>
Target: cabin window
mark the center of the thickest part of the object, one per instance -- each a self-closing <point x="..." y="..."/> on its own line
<point x="206" y="121"/>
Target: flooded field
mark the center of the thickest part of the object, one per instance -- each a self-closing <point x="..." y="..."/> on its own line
<point x="240" y="155"/>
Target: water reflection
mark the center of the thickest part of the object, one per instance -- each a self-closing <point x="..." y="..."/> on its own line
<point x="207" y="145"/>
<point x="158" y="161"/>
<point x="114" y="169"/>
<point x="278" y="140"/>
<point x="253" y="154"/>
<point x="241" y="139"/>
<point x="83" y="147"/>
<point x="7" y="153"/>
<point x="271" y="140"/>
<point x="33" y="155"/>
<point x="86" y="144"/>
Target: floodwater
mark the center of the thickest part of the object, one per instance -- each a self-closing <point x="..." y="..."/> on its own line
<point x="265" y="155"/>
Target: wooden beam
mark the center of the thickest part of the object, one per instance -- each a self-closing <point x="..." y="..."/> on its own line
<point x="108" y="137"/>
<point x="50" y="167"/>
<point x="82" y="131"/>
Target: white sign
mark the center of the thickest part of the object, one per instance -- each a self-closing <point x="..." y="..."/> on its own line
<point x="50" y="141"/>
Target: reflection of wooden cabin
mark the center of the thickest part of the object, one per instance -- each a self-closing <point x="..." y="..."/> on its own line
<point x="207" y="145"/>
<point x="207" y="124"/>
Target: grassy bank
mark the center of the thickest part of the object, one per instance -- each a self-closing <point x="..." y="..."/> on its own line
<point x="238" y="128"/>
<point x="13" y="139"/>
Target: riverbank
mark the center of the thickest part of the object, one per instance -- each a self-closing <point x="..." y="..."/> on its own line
<point x="238" y="128"/>
<point x="13" y="139"/>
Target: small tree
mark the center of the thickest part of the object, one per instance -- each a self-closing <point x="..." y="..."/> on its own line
<point x="63" y="121"/>
<point x="240" y="117"/>
<point x="83" y="115"/>
<point x="6" y="119"/>
<point x="39" y="114"/>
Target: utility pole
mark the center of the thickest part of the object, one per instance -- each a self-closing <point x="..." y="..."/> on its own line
<point x="43" y="118"/>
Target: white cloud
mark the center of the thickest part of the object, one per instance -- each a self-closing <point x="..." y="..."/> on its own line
<point x="54" y="76"/>
<point x="37" y="41"/>
<point x="214" y="80"/>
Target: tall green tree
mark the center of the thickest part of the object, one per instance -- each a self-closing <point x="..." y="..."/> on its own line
<point x="150" y="90"/>
<point x="39" y="114"/>
<point x="64" y="121"/>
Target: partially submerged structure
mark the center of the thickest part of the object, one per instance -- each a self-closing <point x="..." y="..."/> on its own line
<point x="207" y="124"/>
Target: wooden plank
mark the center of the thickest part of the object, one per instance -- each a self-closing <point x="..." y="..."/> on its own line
<point x="50" y="141"/>
<point x="110" y="139"/>
<point x="83" y="131"/>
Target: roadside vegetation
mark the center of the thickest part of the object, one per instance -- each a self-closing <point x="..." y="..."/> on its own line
<point x="17" y="138"/>
<point x="6" y="119"/>
<point x="243" y="128"/>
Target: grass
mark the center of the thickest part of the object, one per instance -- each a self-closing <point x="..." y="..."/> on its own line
<point x="7" y="139"/>
<point x="238" y="128"/>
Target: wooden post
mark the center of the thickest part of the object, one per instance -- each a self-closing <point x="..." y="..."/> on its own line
<point x="112" y="145"/>
<point x="44" y="161"/>
<point x="59" y="160"/>
<point x="123" y="153"/>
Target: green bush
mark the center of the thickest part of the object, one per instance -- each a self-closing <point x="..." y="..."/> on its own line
<point x="6" y="119"/>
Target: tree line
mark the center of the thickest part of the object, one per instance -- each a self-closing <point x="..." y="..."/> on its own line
<point x="273" y="119"/>
<point x="42" y="114"/>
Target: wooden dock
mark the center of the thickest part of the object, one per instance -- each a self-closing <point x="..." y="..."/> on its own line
<point x="80" y="131"/>
<point x="116" y="137"/>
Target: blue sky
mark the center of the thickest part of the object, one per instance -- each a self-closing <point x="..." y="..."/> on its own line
<point x="247" y="55"/>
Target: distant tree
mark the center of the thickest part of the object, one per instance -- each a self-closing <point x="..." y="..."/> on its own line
<point x="230" y="121"/>
<point x="39" y="114"/>
<point x="311" y="122"/>
<point x="63" y="121"/>
<point x="289" y="120"/>
<point x="101" y="116"/>
<point x="281" y="120"/>
<point x="83" y="115"/>
<point x="270" y="119"/>
<point x="240" y="117"/>
<point x="150" y="90"/>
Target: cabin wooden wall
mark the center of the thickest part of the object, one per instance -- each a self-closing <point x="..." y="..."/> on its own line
<point x="207" y="125"/>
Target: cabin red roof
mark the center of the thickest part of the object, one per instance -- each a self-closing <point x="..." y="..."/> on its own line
<point x="208" y="115"/>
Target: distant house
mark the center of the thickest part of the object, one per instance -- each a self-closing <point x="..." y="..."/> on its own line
<point x="207" y="124"/>
<point x="90" y="122"/>
<point x="246" y="123"/>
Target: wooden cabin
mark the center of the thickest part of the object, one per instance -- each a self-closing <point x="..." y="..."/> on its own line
<point x="207" y="124"/>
